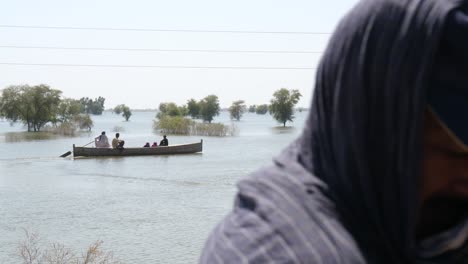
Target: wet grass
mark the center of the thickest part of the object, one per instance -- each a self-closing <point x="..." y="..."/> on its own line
<point x="184" y="126"/>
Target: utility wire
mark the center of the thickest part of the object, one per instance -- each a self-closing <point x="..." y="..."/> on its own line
<point x="162" y="50"/>
<point x="167" y="30"/>
<point x="155" y="66"/>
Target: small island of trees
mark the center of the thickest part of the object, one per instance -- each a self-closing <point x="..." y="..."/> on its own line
<point x="172" y="119"/>
<point x="39" y="105"/>
<point x="124" y="110"/>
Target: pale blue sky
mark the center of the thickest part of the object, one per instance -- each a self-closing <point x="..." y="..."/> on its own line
<point x="146" y="88"/>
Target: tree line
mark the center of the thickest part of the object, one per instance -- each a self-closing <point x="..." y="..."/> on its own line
<point x="281" y="107"/>
<point x="36" y="106"/>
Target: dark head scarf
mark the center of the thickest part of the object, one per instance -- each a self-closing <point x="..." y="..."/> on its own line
<point x="364" y="133"/>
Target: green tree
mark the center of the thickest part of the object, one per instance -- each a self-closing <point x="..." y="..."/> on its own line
<point x="252" y="108"/>
<point x="183" y="110"/>
<point x="193" y="108"/>
<point x="35" y="106"/>
<point x="90" y="106"/>
<point x="67" y="110"/>
<point x="83" y="121"/>
<point x="124" y="110"/>
<point x="237" y="109"/>
<point x="169" y="109"/>
<point x="282" y="105"/>
<point x="209" y="108"/>
<point x="262" y="109"/>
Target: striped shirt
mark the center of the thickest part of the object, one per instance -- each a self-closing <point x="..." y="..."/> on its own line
<point x="281" y="216"/>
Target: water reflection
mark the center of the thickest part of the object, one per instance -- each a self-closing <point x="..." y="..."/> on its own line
<point x="283" y="130"/>
<point x="13" y="137"/>
<point x="102" y="160"/>
<point x="107" y="159"/>
<point x="143" y="179"/>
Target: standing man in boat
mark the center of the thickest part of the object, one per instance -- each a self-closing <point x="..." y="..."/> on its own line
<point x="117" y="143"/>
<point x="164" y="141"/>
<point x="380" y="173"/>
<point x="102" y="141"/>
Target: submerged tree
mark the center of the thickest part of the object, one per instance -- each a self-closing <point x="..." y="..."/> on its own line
<point x="83" y="121"/>
<point x="262" y="109"/>
<point x="209" y="108"/>
<point x="35" y="106"/>
<point x="237" y="109"/>
<point x="252" y="108"/>
<point x="282" y="105"/>
<point x="193" y="108"/>
<point x="90" y="106"/>
<point x="67" y="110"/>
<point x="124" y="110"/>
<point x="171" y="109"/>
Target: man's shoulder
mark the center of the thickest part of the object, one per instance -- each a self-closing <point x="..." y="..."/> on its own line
<point x="282" y="218"/>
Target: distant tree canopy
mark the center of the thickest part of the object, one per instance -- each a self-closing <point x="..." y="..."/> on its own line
<point x="67" y="110"/>
<point x="193" y="108"/>
<point x="209" y="108"/>
<point x="84" y="121"/>
<point x="171" y="118"/>
<point x="262" y="109"/>
<point x="282" y="105"/>
<point x="237" y="109"/>
<point x="35" y="106"/>
<point x="252" y="108"/>
<point x="171" y="109"/>
<point x="90" y="106"/>
<point x="124" y="110"/>
<point x="206" y="109"/>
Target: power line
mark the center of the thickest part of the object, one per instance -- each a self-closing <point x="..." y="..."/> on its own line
<point x="167" y="30"/>
<point x="155" y="66"/>
<point x="162" y="50"/>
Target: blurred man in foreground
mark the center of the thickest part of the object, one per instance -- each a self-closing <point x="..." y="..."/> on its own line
<point x="380" y="174"/>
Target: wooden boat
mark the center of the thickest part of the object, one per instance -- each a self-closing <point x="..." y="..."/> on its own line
<point x="166" y="150"/>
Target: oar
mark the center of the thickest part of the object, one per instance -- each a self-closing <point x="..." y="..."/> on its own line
<point x="66" y="154"/>
<point x="88" y="143"/>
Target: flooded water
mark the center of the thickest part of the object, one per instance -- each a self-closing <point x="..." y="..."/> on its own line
<point x="157" y="209"/>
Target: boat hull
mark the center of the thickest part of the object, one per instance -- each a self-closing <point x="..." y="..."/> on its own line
<point x="109" y="152"/>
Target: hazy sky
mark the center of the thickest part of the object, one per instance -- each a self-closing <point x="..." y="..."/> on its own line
<point x="147" y="87"/>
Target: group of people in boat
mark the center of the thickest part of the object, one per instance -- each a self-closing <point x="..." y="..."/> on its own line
<point x="164" y="142"/>
<point x="103" y="142"/>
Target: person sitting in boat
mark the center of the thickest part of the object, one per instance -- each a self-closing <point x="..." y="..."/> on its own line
<point x="102" y="141"/>
<point x="117" y="143"/>
<point x="155" y="144"/>
<point x="147" y="145"/>
<point x="164" y="141"/>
